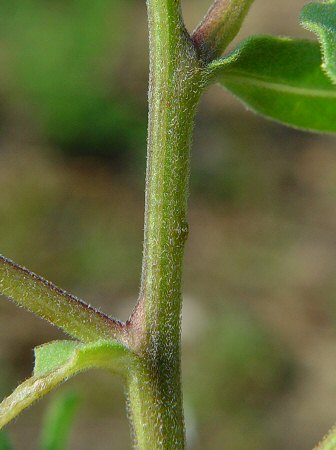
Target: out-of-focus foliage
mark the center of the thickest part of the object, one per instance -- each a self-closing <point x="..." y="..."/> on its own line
<point x="240" y="370"/>
<point x="5" y="443"/>
<point x="58" y="422"/>
<point x="64" y="59"/>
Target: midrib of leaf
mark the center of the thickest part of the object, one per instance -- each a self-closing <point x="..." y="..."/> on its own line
<point x="280" y="87"/>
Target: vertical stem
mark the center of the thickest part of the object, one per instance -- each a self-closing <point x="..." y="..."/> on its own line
<point x="155" y="398"/>
<point x="173" y="95"/>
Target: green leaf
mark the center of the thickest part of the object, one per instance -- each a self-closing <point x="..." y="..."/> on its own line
<point x="5" y="442"/>
<point x="282" y="79"/>
<point x="320" y="18"/>
<point x="55" y="305"/>
<point x="58" y="422"/>
<point x="56" y="362"/>
<point x="50" y="356"/>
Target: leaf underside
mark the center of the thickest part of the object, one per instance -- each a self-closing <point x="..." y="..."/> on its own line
<point x="320" y="18"/>
<point x="282" y="79"/>
<point x="56" y="362"/>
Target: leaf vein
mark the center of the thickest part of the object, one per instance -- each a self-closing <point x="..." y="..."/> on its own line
<point x="281" y="87"/>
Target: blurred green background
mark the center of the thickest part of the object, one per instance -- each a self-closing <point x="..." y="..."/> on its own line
<point x="259" y="322"/>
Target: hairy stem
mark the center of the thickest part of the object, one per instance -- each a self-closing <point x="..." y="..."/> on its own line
<point x="53" y="304"/>
<point x="155" y="397"/>
<point x="220" y="25"/>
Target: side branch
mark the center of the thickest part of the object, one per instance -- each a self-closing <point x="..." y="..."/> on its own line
<point x="53" y="304"/>
<point x="219" y="27"/>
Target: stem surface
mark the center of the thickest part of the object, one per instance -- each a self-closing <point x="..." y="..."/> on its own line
<point x="56" y="306"/>
<point x="155" y="397"/>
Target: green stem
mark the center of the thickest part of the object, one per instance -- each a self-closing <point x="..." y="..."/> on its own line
<point x="219" y="27"/>
<point x="58" y="307"/>
<point x="155" y="397"/>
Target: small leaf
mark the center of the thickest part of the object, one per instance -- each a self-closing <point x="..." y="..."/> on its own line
<point x="282" y="79"/>
<point x="49" y="357"/>
<point x="56" y="362"/>
<point x="320" y="18"/>
<point x="58" y="422"/>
